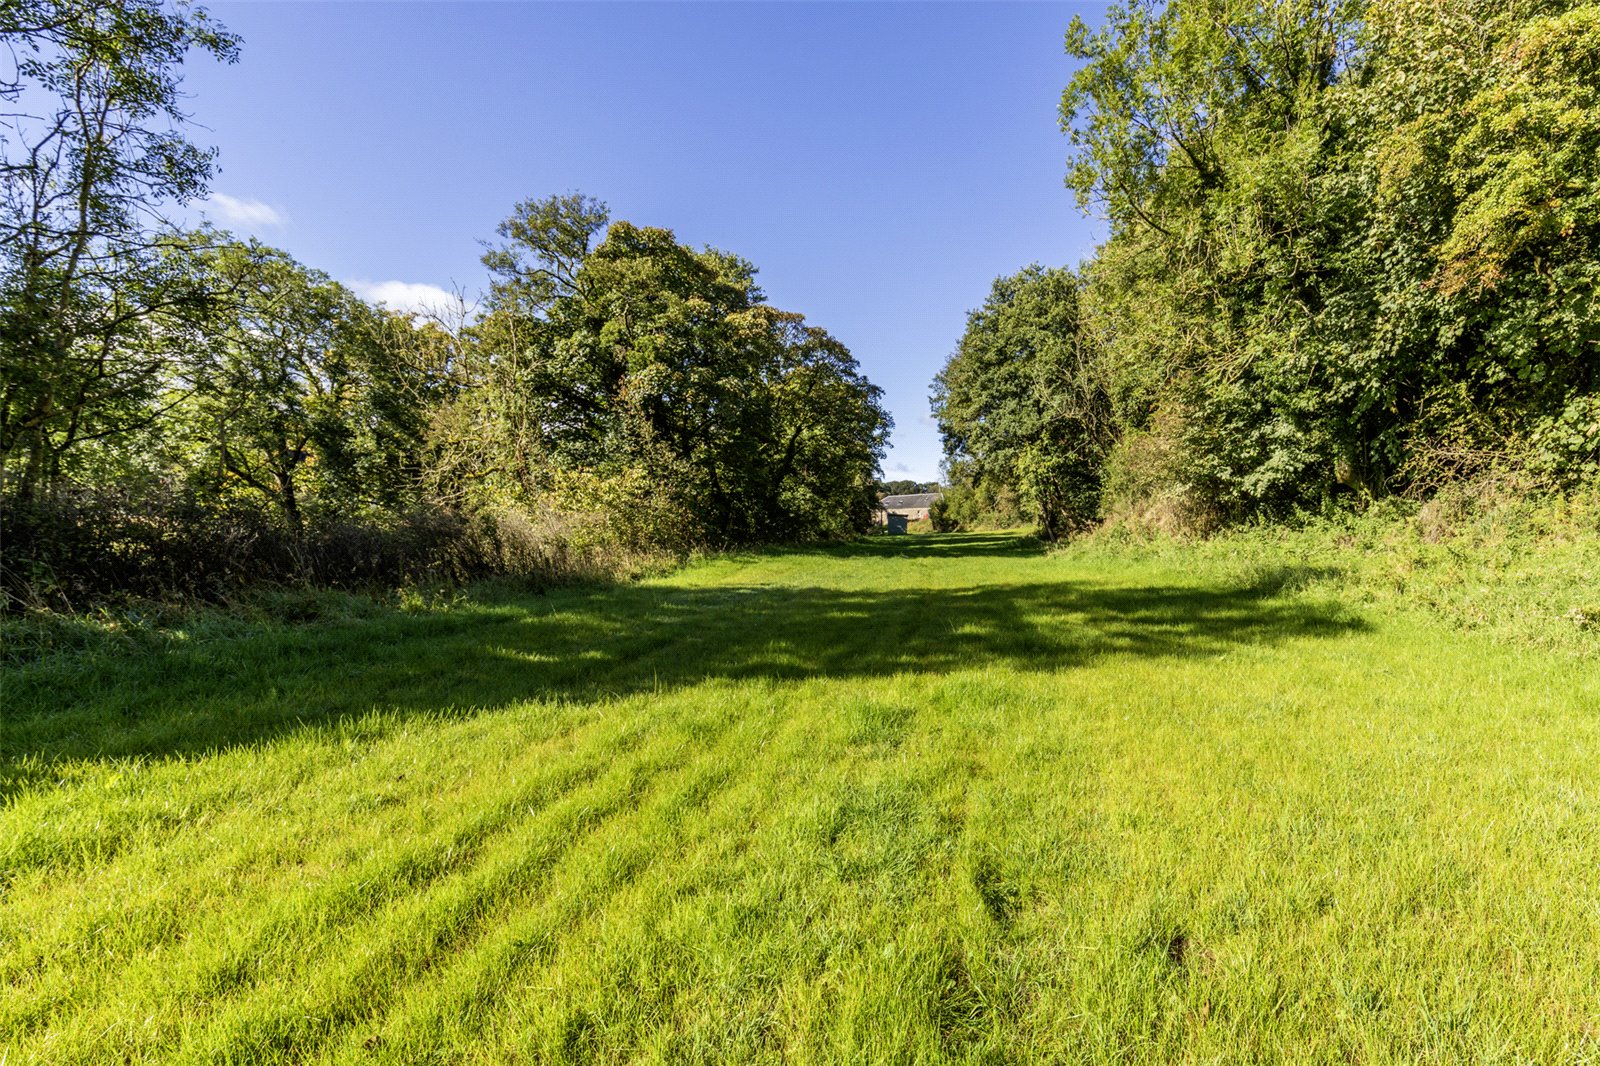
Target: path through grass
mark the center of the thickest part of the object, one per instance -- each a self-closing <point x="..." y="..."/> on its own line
<point x="912" y="800"/>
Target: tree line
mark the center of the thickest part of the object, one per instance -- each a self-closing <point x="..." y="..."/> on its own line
<point x="1353" y="252"/>
<point x="182" y="409"/>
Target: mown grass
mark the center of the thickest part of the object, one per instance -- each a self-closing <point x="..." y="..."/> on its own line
<point x="942" y="798"/>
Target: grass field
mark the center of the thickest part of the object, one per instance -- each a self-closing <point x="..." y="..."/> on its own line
<point x="923" y="799"/>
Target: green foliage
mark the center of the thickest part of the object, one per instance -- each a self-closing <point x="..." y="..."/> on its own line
<point x="982" y="506"/>
<point x="74" y="559"/>
<point x="643" y="361"/>
<point x="627" y="394"/>
<point x="1482" y="557"/>
<point x="93" y="147"/>
<point x="634" y="398"/>
<point x="1526" y="169"/>
<point x="1019" y="406"/>
<point x="274" y="392"/>
<point x="635" y="393"/>
<point x="904" y="487"/>
<point x="1353" y="245"/>
<point x="1566" y="445"/>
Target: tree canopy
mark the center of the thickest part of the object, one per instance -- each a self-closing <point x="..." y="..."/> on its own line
<point x="1018" y="405"/>
<point x="90" y="273"/>
<point x="1354" y="250"/>
<point x="645" y="362"/>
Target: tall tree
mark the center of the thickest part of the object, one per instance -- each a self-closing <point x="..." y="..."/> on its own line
<point x="1353" y="242"/>
<point x="643" y="362"/>
<point x="1019" y="404"/>
<point x="294" y="395"/>
<point x="1197" y="129"/>
<point x="93" y="147"/>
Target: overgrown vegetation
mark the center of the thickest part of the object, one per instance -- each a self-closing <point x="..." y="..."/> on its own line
<point x="1354" y="253"/>
<point x="185" y="414"/>
<point x="1018" y="403"/>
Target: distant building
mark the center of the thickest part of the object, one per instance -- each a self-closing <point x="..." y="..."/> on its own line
<point x="911" y="508"/>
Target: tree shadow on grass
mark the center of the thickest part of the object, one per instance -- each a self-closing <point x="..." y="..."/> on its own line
<point x="583" y="646"/>
<point x="934" y="546"/>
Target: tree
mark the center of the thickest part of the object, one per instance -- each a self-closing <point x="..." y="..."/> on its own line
<point x="1352" y="243"/>
<point x="1196" y="127"/>
<point x="642" y="362"/>
<point x="1019" y="405"/>
<point x="90" y="269"/>
<point x="296" y="393"/>
<point x="825" y="434"/>
<point x="905" y="487"/>
<point x="1484" y="233"/>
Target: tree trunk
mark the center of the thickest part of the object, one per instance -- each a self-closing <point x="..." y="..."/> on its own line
<point x="289" y="500"/>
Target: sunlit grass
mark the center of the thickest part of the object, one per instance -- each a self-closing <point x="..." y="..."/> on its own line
<point x="915" y="799"/>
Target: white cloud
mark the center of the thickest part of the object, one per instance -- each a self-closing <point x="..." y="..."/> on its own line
<point x="414" y="296"/>
<point x="900" y="468"/>
<point x="232" y="211"/>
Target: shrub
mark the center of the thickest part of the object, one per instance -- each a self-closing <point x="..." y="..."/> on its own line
<point x="981" y="507"/>
<point x="1565" y="447"/>
<point x="1144" y="489"/>
<point x="73" y="551"/>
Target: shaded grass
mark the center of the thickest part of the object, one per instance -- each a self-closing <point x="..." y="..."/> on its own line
<point x="911" y="799"/>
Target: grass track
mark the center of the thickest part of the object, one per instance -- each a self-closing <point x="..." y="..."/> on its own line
<point x="913" y="800"/>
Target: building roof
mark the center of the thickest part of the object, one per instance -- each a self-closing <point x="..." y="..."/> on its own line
<point x="921" y="499"/>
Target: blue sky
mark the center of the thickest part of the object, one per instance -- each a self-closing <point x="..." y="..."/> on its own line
<point x="879" y="163"/>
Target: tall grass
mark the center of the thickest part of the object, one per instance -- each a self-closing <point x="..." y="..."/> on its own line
<point x="91" y="572"/>
<point x="1520" y="569"/>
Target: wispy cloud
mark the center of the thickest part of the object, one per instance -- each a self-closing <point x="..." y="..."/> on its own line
<point x="415" y="296"/>
<point x="232" y="211"/>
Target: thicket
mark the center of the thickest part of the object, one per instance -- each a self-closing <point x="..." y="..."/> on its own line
<point x="186" y="413"/>
<point x="1354" y="254"/>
